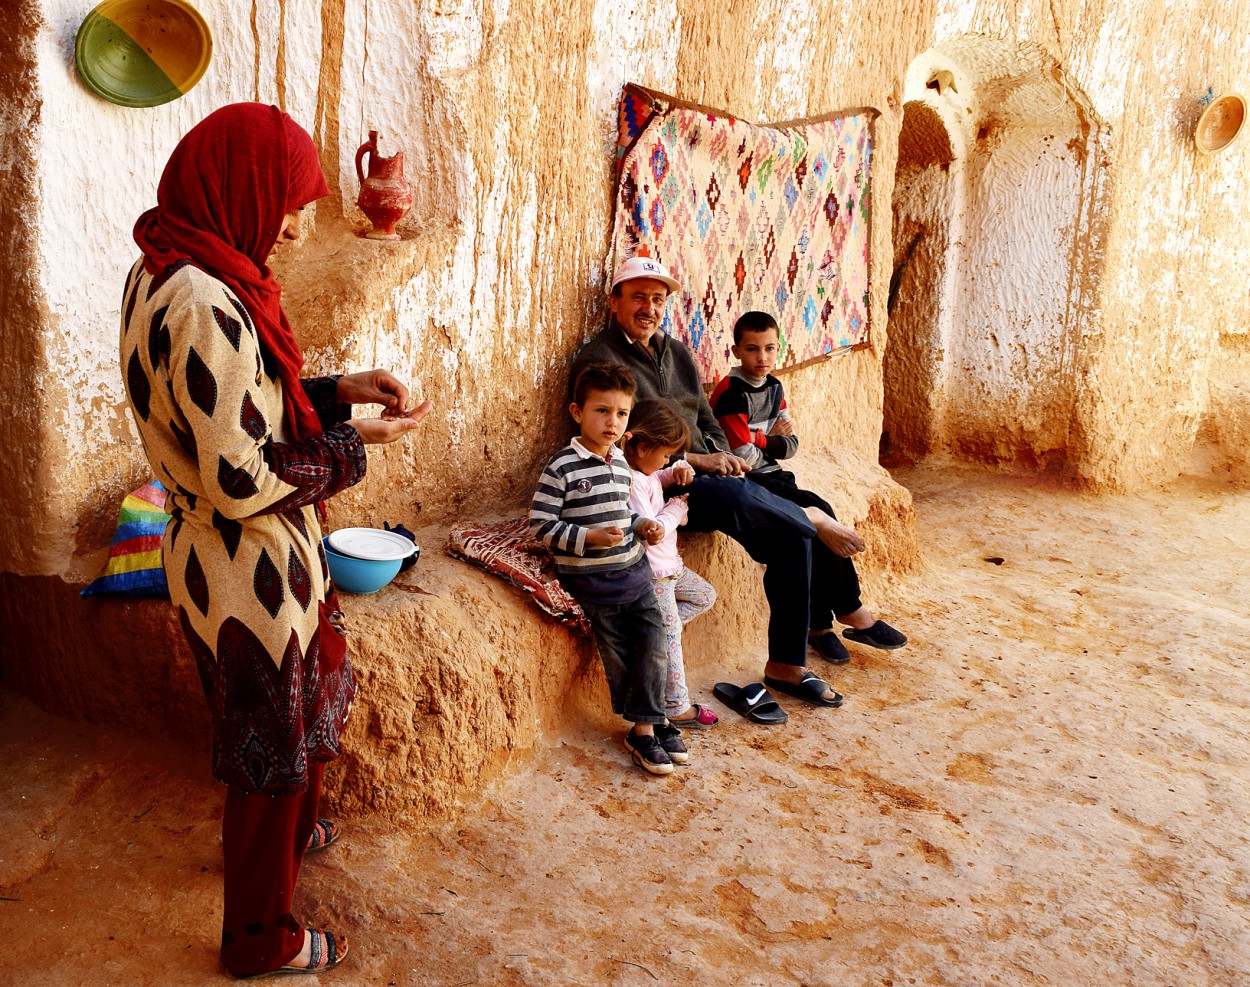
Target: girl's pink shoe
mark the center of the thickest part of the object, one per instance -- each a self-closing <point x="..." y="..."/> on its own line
<point x="703" y="719"/>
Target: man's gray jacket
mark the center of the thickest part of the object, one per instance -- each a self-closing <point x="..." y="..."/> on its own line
<point x="664" y="369"/>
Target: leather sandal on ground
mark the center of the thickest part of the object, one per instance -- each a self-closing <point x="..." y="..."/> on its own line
<point x="327" y="951"/>
<point x="811" y="690"/>
<point x="879" y="635"/>
<point x="752" y="701"/>
<point x="324" y="833"/>
<point x="703" y="719"/>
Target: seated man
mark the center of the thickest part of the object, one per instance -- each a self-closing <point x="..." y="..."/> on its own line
<point x="774" y="532"/>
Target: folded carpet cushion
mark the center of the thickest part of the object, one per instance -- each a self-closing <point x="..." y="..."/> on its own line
<point x="509" y="551"/>
<point x="134" y="564"/>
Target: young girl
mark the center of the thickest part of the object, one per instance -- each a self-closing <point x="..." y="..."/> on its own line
<point x="656" y="433"/>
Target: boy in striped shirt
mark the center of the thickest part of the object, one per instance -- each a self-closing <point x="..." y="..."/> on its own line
<point x="581" y="512"/>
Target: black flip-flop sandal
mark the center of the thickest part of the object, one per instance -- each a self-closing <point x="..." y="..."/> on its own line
<point x="811" y="690"/>
<point x="752" y="701"/>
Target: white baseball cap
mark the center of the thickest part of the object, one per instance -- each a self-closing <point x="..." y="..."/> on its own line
<point x="645" y="267"/>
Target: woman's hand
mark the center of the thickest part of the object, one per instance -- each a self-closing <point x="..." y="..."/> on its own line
<point x="388" y="428"/>
<point x="375" y="387"/>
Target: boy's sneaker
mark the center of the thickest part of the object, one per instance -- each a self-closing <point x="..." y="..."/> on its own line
<point x="648" y="754"/>
<point x="670" y="739"/>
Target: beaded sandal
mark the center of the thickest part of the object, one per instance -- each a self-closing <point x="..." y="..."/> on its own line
<point x="324" y="833"/>
<point x="326" y="950"/>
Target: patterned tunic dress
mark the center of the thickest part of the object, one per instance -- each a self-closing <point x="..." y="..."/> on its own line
<point x="242" y="552"/>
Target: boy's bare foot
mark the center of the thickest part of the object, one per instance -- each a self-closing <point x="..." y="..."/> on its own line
<point x="794" y="675"/>
<point x="838" y="538"/>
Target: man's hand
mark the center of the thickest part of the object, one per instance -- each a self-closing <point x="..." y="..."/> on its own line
<point x="604" y="537"/>
<point x="388" y="428"/>
<point x="683" y="474"/>
<point x="718" y="463"/>
<point x="375" y="387"/>
<point x="782" y="426"/>
<point x="650" y="530"/>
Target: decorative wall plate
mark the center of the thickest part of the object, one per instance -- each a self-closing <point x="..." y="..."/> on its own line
<point x="1220" y="124"/>
<point x="142" y="52"/>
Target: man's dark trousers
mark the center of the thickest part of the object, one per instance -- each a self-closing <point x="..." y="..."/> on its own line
<point x="775" y="533"/>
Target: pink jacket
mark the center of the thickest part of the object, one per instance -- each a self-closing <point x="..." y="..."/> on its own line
<point x="646" y="499"/>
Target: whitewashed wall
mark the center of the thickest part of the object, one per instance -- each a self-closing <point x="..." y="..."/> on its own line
<point x="505" y="113"/>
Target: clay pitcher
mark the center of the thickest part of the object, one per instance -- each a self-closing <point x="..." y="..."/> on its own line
<point x="385" y="195"/>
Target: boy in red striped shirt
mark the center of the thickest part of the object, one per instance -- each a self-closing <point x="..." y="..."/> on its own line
<point x="750" y="406"/>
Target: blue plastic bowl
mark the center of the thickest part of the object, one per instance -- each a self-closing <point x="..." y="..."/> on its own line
<point x="361" y="576"/>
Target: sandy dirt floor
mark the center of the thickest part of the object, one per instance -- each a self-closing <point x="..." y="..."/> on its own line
<point x="1048" y="786"/>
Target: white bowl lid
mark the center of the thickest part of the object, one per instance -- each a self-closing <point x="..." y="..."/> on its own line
<point x="373" y="544"/>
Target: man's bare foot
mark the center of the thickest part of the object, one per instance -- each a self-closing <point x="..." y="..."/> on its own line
<point x="838" y="538"/>
<point x="794" y="675"/>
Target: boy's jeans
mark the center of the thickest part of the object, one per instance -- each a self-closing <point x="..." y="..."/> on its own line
<point x="631" y="646"/>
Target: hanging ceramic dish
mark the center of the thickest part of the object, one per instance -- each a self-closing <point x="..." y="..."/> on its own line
<point x="143" y="52"/>
<point x="1220" y="124"/>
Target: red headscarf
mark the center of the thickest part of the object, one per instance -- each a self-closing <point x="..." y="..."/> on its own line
<point x="220" y="205"/>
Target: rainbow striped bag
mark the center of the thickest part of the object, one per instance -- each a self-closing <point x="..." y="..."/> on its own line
<point x="134" y="567"/>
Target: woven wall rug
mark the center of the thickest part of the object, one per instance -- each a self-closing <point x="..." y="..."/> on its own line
<point x="746" y="216"/>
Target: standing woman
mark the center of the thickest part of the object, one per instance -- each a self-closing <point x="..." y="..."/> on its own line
<point x="247" y="451"/>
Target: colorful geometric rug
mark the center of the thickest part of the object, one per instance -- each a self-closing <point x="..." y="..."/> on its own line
<point x="748" y="217"/>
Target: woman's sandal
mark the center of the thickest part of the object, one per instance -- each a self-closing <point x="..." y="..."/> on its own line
<point x="324" y="833"/>
<point x="326" y="951"/>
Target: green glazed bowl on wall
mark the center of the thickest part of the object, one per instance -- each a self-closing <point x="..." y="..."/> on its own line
<point x="143" y="52"/>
